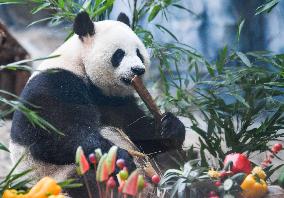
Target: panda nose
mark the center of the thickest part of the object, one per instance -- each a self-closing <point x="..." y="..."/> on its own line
<point x="138" y="71"/>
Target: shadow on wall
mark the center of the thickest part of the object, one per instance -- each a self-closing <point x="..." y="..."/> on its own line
<point x="19" y="16"/>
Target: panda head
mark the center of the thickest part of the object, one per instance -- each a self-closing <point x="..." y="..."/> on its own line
<point x="112" y="54"/>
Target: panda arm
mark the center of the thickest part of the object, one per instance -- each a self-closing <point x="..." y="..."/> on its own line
<point x="142" y="131"/>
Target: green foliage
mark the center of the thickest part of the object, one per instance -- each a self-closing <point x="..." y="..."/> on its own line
<point x="66" y="10"/>
<point x="3" y="147"/>
<point x="15" y="180"/>
<point x="70" y="183"/>
<point x="22" y="64"/>
<point x="191" y="178"/>
<point x="242" y="104"/>
<point x="267" y="7"/>
<point x="240" y="27"/>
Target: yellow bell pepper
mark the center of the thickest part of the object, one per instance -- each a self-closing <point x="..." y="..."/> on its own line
<point x="13" y="194"/>
<point x="259" y="172"/>
<point x="213" y="173"/>
<point x="56" y="196"/>
<point x="45" y="188"/>
<point x="254" y="187"/>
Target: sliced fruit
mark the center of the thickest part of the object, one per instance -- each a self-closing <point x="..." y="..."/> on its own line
<point x="141" y="182"/>
<point x="131" y="184"/>
<point x="111" y="159"/>
<point x="82" y="163"/>
<point x="102" y="170"/>
<point x="98" y="154"/>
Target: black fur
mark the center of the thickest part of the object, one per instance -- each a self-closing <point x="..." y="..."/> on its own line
<point x="117" y="57"/>
<point x="138" y="71"/>
<point x="83" y="25"/>
<point x="122" y="17"/>
<point x="78" y="108"/>
<point x="139" y="55"/>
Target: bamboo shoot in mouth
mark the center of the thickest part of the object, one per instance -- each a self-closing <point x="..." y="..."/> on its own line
<point x="142" y="91"/>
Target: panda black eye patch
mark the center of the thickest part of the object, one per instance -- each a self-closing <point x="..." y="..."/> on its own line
<point x="117" y="57"/>
<point x="139" y="55"/>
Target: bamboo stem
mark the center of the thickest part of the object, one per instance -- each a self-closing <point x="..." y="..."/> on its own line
<point x="138" y="85"/>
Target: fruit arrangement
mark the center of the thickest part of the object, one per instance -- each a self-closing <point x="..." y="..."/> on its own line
<point x="124" y="183"/>
<point x="239" y="179"/>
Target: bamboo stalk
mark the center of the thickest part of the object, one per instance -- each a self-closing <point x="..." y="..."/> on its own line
<point x="138" y="85"/>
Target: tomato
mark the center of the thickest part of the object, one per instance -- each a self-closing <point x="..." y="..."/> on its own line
<point x="240" y="163"/>
<point x="277" y="147"/>
<point x="156" y="179"/>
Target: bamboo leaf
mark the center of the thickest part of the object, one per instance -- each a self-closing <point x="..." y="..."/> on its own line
<point x="166" y="30"/>
<point x="267" y="7"/>
<point x="240" y="27"/>
<point x="7" y="2"/>
<point x="41" y="7"/>
<point x="39" y="21"/>
<point x="221" y="60"/>
<point x="3" y="147"/>
<point x="155" y="10"/>
<point x="240" y="99"/>
<point x="244" y="58"/>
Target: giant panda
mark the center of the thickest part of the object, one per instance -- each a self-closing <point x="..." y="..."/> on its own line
<point x="85" y="93"/>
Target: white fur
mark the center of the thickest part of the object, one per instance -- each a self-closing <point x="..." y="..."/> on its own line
<point x="40" y="169"/>
<point x="92" y="57"/>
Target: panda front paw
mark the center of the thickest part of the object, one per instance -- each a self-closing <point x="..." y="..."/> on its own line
<point x="172" y="129"/>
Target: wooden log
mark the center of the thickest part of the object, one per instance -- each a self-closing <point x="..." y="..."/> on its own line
<point x="11" y="51"/>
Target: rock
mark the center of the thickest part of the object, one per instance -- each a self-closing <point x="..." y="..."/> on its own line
<point x="5" y="165"/>
<point x="275" y="192"/>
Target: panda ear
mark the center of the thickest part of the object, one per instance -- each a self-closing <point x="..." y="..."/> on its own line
<point x="122" y="17"/>
<point x="83" y="25"/>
